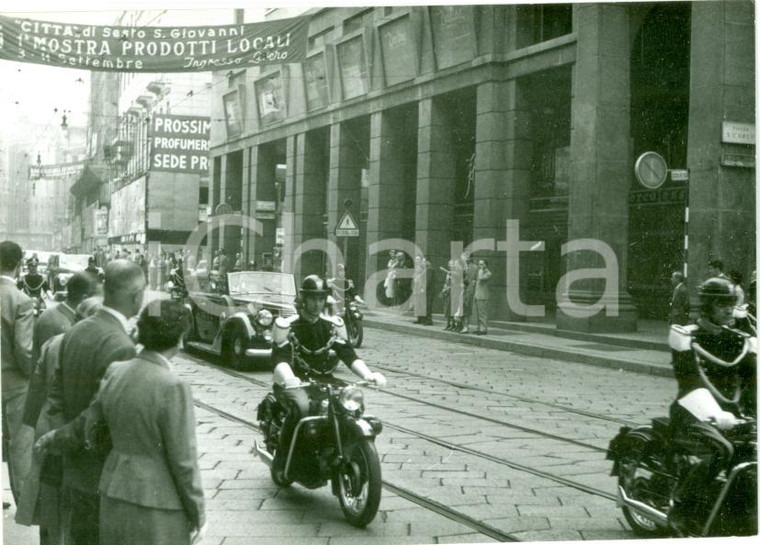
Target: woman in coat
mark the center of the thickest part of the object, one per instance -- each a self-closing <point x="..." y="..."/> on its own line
<point x="150" y="489"/>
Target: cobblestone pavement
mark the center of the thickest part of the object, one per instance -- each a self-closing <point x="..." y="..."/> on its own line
<point x="521" y="415"/>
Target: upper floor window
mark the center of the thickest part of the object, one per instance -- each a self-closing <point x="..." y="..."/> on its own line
<point x="357" y="21"/>
<point x="539" y="23"/>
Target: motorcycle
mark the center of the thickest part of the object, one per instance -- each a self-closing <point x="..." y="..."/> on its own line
<point x="353" y="318"/>
<point x="336" y="443"/>
<point x="649" y="465"/>
<point x="176" y="285"/>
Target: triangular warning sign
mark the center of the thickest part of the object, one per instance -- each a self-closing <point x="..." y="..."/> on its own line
<point x="347" y="222"/>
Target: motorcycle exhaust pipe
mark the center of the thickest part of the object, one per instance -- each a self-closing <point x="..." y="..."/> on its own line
<point x="262" y="453"/>
<point x="642" y="508"/>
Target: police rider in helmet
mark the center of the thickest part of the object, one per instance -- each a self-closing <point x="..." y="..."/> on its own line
<point x="34" y="284"/>
<point x="309" y="345"/>
<point x="715" y="367"/>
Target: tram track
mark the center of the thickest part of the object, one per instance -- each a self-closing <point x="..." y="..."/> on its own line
<point x="447" y="444"/>
<point x="487" y="419"/>
<point x="422" y="501"/>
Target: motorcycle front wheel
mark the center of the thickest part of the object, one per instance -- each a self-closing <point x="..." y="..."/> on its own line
<point x="359" y="482"/>
<point x="638" y="484"/>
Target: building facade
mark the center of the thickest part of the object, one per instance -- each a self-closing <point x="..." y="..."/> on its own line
<point x="124" y="199"/>
<point x="447" y="124"/>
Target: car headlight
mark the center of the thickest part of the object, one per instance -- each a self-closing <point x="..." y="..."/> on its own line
<point x="63" y="279"/>
<point x="351" y="398"/>
<point x="264" y="318"/>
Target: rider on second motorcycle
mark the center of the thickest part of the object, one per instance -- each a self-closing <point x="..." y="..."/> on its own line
<point x="309" y="345"/>
<point x="715" y="367"/>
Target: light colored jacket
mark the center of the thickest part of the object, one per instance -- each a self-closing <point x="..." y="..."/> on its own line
<point x="150" y="416"/>
<point x="16" y="337"/>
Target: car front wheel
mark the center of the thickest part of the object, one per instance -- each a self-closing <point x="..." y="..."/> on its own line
<point x="235" y="344"/>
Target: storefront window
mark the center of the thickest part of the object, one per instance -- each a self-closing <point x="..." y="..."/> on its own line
<point x="353" y="68"/>
<point x="315" y="75"/>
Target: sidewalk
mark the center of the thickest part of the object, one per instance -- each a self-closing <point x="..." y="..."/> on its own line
<point x="643" y="351"/>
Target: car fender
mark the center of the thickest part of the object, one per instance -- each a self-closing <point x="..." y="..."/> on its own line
<point x="238" y="317"/>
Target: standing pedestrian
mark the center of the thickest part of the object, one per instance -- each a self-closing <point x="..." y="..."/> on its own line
<point x="679" y="301"/>
<point x="16" y="345"/>
<point x="715" y="269"/>
<point x="429" y="292"/>
<point x="87" y="350"/>
<point x="163" y="269"/>
<point x="457" y="294"/>
<point x="446" y="297"/>
<point x="224" y="262"/>
<point x="418" y="290"/>
<point x="480" y="300"/>
<point x="150" y="488"/>
<point x="390" y="280"/>
<point x="470" y="271"/>
<point x="43" y="502"/>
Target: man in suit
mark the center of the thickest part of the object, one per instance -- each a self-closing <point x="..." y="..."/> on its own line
<point x="470" y="280"/>
<point x="679" y="302"/>
<point x="87" y="350"/>
<point x="480" y="304"/>
<point x="17" y="333"/>
<point x="52" y="322"/>
<point x="61" y="317"/>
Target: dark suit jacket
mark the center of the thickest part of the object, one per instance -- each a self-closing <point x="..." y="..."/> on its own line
<point x="16" y="334"/>
<point x="679" y="305"/>
<point x="151" y="420"/>
<point x="53" y="321"/>
<point x="87" y="350"/>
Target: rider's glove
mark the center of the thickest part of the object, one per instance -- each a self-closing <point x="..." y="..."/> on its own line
<point x="378" y="379"/>
<point x="725" y="420"/>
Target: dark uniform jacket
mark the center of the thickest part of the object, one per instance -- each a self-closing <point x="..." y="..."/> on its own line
<point x="721" y="362"/>
<point x="33" y="285"/>
<point x="312" y="348"/>
<point x="87" y="350"/>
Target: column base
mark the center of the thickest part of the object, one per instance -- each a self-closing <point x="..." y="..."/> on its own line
<point x="600" y="322"/>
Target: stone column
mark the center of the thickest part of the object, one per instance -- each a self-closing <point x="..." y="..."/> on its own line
<point x="722" y="199"/>
<point x="385" y="214"/>
<point x="502" y="177"/>
<point x="344" y="183"/>
<point x="288" y="208"/>
<point x="601" y="170"/>
<point x="308" y="206"/>
<point x="436" y="170"/>
<point x="248" y="203"/>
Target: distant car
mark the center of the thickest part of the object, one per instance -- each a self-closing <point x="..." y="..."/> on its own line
<point x="61" y="268"/>
<point x="232" y="314"/>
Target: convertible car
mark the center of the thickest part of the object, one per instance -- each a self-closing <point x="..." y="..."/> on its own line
<point x="232" y="313"/>
<point x="61" y="267"/>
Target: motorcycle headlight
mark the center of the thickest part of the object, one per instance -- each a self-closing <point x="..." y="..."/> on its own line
<point x="351" y="398"/>
<point x="264" y="318"/>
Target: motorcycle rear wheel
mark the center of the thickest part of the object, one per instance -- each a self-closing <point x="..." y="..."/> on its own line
<point x="637" y="483"/>
<point x="359" y="483"/>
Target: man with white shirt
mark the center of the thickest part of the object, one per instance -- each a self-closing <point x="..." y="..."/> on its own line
<point x="16" y="352"/>
<point x="87" y="350"/>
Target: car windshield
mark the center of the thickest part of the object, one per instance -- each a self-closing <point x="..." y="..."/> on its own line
<point x="73" y="262"/>
<point x="261" y="282"/>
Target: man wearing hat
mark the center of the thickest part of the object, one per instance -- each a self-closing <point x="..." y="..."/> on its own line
<point x="35" y="285"/>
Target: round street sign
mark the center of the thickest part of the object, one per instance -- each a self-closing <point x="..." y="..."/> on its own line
<point x="651" y="170"/>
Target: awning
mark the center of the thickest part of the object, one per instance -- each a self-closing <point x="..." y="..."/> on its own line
<point x="90" y="180"/>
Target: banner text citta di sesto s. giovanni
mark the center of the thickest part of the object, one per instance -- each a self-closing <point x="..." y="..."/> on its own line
<point x="153" y="49"/>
